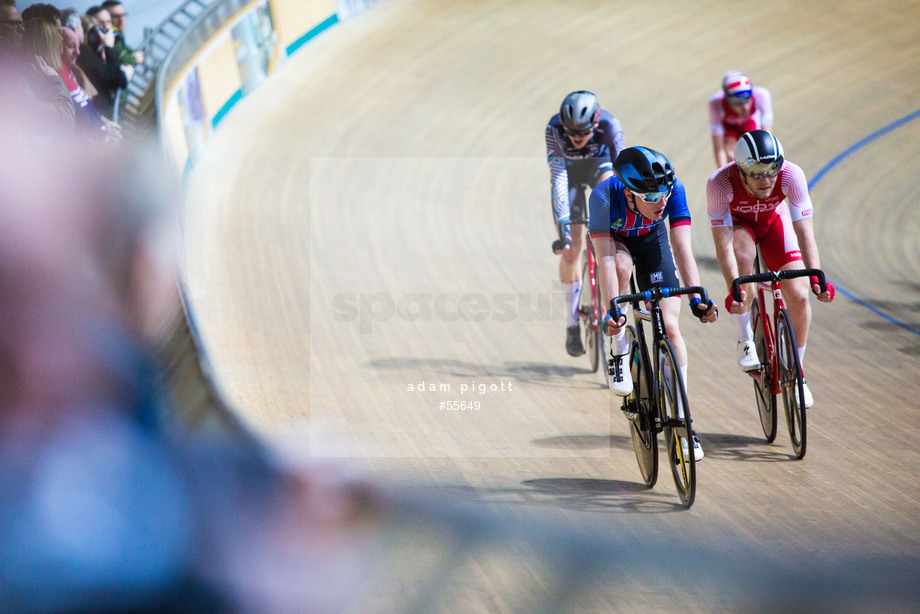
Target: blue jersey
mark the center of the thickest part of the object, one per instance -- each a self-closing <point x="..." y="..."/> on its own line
<point x="610" y="214"/>
<point x="607" y="142"/>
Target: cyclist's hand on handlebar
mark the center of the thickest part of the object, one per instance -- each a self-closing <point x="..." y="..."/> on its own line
<point x="734" y="306"/>
<point x="564" y="241"/>
<point x="560" y="245"/>
<point x="706" y="313"/>
<point x="613" y="325"/>
<point x="828" y="295"/>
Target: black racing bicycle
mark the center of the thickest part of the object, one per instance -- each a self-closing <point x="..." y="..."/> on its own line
<point x="658" y="402"/>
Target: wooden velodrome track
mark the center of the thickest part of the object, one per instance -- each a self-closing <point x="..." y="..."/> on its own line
<point x="377" y="216"/>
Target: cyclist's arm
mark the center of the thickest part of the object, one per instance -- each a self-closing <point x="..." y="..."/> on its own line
<point x="804" y="231"/>
<point x="605" y="249"/>
<point x="725" y="251"/>
<point x="718" y="208"/>
<point x="683" y="255"/>
<point x="718" y="150"/>
<point x="801" y="210"/>
<point x="559" y="178"/>
<point x="765" y="104"/>
<point x="717" y="130"/>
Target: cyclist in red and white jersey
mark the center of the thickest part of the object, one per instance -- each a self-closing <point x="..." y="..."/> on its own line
<point x="737" y="108"/>
<point x="762" y="199"/>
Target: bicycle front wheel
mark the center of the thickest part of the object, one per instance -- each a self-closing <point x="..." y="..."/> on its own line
<point x="791" y="382"/>
<point x="676" y="423"/>
<point x="766" y="400"/>
<point x="588" y="316"/>
<point x="642" y="427"/>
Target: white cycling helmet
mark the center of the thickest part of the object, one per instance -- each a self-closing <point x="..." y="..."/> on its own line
<point x="759" y="154"/>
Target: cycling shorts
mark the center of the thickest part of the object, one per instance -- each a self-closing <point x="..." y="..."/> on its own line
<point x="587" y="171"/>
<point x="734" y="131"/>
<point x="653" y="258"/>
<point x="778" y="243"/>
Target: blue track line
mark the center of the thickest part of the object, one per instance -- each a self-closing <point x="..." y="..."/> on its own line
<point x="830" y="166"/>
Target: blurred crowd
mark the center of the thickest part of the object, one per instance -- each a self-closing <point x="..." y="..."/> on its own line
<point x="64" y="70"/>
<point x="108" y="503"/>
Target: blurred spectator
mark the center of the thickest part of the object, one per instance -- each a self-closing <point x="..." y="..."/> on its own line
<point x="11" y="27"/>
<point x="40" y="10"/>
<point x="105" y="508"/>
<point x="34" y="103"/>
<point x="98" y="126"/>
<point x="105" y="24"/>
<point x="72" y="19"/>
<point x="99" y="65"/>
<point x="125" y="54"/>
<point x="42" y="39"/>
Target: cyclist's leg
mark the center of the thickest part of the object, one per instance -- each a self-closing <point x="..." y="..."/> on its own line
<point x="781" y="252"/>
<point x="570" y="275"/>
<point x="729" y="141"/>
<point x="745" y="249"/>
<point x="624" y="265"/>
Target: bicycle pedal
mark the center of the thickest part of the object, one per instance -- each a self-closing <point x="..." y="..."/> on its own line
<point x="630" y="410"/>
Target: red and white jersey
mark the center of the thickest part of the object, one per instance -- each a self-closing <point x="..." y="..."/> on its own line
<point x="721" y="115"/>
<point x="727" y="200"/>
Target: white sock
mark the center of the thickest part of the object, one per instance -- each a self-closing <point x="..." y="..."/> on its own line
<point x="619" y="345"/>
<point x="802" y="356"/>
<point x="745" y="330"/>
<point x="572" y="294"/>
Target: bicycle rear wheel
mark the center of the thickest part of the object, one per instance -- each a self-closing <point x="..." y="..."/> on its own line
<point x="766" y="400"/>
<point x="642" y="428"/>
<point x="791" y="382"/>
<point x="676" y="423"/>
<point x="588" y="316"/>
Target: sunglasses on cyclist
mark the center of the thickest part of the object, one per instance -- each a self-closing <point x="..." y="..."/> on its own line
<point x="652" y="197"/>
<point x="762" y="174"/>
<point x="579" y="133"/>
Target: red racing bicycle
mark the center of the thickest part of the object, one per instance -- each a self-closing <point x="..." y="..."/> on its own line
<point x="780" y="369"/>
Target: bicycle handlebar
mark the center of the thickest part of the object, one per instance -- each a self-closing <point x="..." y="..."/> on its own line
<point x="656" y="294"/>
<point x="559" y="244"/>
<point x="776" y="276"/>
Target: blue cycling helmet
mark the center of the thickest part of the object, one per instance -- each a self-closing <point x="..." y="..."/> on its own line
<point x="644" y="170"/>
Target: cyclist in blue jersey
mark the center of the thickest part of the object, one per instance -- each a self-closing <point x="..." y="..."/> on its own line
<point x="582" y="140"/>
<point x="627" y="213"/>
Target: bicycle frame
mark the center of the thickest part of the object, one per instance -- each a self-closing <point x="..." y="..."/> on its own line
<point x="781" y="364"/>
<point x="591" y="312"/>
<point x="659" y="405"/>
<point x="770" y="280"/>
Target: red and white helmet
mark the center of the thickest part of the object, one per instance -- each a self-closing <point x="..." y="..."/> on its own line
<point x="736" y="85"/>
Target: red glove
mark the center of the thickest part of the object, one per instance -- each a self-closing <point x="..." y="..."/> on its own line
<point x="830" y="286"/>
<point x="731" y="299"/>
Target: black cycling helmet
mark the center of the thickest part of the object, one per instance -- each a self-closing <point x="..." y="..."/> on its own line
<point x="759" y="154"/>
<point x="579" y="111"/>
<point x="644" y="170"/>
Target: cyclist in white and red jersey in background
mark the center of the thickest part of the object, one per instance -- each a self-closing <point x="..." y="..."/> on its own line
<point x="762" y="199"/>
<point x="737" y="108"/>
<point x="582" y="141"/>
